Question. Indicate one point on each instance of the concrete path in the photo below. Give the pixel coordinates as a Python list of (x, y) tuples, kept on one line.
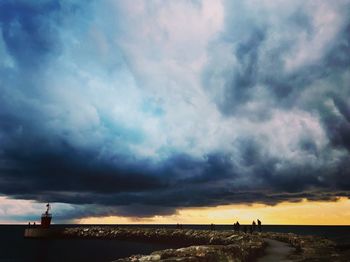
[(276, 251)]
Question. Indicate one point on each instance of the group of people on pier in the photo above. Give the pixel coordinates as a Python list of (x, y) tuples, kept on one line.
[(237, 227), (255, 226)]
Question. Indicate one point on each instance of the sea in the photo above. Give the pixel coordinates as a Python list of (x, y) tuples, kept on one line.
[(15, 248)]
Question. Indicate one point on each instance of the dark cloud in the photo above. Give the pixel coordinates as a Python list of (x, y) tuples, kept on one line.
[(142, 189)]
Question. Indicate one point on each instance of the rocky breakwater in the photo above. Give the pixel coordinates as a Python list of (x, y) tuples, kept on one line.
[(211, 245), (309, 248), (199, 245), (306, 249)]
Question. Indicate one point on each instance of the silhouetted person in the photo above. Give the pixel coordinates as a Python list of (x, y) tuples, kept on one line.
[(177, 226), (259, 225), (212, 226), (236, 226), (245, 229), (253, 226)]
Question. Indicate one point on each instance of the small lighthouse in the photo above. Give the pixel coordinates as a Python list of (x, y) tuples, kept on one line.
[(44, 231), (46, 217)]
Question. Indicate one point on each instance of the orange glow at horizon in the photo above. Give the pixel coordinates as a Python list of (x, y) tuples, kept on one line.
[(301, 213)]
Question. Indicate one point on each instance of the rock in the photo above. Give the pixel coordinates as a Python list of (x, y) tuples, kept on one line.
[(155, 257)]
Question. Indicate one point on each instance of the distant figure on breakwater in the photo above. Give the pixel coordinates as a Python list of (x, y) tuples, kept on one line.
[(259, 225), (179, 226), (245, 229), (212, 226), (236, 226), (253, 226)]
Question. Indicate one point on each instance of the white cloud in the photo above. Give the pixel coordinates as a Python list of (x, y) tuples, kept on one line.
[(17, 210)]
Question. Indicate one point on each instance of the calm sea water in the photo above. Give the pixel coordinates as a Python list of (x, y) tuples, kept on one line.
[(15, 248)]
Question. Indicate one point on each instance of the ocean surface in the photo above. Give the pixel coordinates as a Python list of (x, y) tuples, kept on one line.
[(15, 248)]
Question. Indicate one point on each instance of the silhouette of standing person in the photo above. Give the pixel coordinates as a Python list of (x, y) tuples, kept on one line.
[(235, 226), (253, 226), (212, 227), (259, 225)]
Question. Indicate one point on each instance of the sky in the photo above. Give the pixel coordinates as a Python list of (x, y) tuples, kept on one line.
[(175, 111)]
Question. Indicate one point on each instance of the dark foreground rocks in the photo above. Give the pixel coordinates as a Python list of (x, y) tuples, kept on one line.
[(309, 248), (199, 253), (210, 245)]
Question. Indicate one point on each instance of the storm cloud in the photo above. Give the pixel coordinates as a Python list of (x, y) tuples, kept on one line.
[(138, 109)]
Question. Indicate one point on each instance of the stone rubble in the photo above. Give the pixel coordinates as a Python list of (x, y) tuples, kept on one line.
[(210, 245), (308, 248)]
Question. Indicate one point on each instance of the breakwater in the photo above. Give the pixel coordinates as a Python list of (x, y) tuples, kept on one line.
[(309, 248), (200, 245), (211, 245)]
